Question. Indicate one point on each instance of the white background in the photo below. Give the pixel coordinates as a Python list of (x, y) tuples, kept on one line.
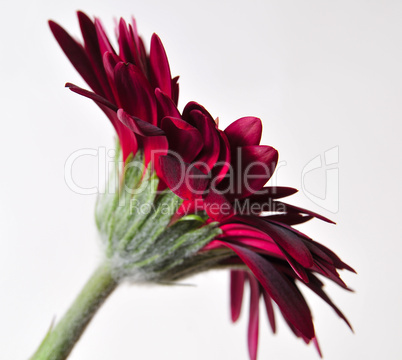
[(320, 74)]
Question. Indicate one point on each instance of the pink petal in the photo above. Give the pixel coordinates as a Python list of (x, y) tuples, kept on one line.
[(257, 245)]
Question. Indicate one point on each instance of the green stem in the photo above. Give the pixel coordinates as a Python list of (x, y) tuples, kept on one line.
[(60, 340)]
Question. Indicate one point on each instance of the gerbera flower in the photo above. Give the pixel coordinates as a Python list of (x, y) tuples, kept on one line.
[(204, 188)]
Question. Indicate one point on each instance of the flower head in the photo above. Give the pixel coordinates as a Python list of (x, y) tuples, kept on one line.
[(194, 196)]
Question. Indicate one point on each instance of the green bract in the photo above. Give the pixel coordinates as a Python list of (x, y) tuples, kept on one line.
[(141, 239)]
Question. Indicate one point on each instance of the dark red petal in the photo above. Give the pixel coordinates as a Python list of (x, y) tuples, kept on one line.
[(217, 206), (110, 61), (77, 55), (237, 278), (287, 240), (335, 258), (104, 43), (292, 208), (92, 48), (244, 131), (288, 219), (140, 61), (154, 148), (184, 180), (166, 106), (281, 290), (210, 152), (317, 286), (160, 70), (135, 94), (253, 166), (139, 126), (184, 139), (270, 310), (175, 90), (222, 165), (271, 192), (291, 243), (254, 317), (128, 140), (127, 48), (89, 94), (192, 105), (317, 346)]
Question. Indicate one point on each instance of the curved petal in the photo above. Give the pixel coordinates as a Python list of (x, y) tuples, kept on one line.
[(280, 288), (217, 206), (175, 90), (138, 126), (92, 48), (135, 94), (183, 138), (166, 106), (210, 152), (192, 105), (244, 131), (127, 48), (160, 70), (154, 148), (253, 166), (184, 180), (222, 166), (89, 94), (293, 208), (77, 56), (103, 40)]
